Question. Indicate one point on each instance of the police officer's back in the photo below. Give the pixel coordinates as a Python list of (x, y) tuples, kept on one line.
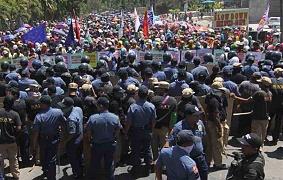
[(176, 159), (46, 127), (251, 165)]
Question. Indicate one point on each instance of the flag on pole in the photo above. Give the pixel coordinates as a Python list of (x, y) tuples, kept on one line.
[(137, 21), (145, 26), (150, 15), (70, 39), (37, 34), (77, 29), (121, 29), (264, 18)]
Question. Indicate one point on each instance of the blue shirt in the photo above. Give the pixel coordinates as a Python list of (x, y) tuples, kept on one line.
[(59, 91), (170, 71), (179, 166), (199, 132), (59, 82), (141, 114), (47, 122), (25, 82), (23, 95), (75, 121), (124, 83), (176, 88), (200, 69), (160, 75), (249, 70), (231, 86), (98, 83), (103, 127)]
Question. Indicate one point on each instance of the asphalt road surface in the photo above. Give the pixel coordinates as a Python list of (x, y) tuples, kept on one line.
[(273, 168)]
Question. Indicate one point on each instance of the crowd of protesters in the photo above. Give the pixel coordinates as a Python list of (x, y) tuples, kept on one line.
[(124, 110)]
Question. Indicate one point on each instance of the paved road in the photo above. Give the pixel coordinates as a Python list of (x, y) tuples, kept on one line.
[(273, 168)]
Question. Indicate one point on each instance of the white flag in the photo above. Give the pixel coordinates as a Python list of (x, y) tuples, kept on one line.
[(137, 21)]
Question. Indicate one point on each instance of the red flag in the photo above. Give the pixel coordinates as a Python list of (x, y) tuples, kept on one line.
[(145, 26), (77, 29)]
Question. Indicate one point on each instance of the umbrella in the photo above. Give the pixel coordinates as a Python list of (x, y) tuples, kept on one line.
[(61, 25), (59, 31), (21, 29)]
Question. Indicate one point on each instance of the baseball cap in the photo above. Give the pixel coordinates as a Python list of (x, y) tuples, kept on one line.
[(45, 99), (188, 92), (250, 140), (132, 88), (185, 136), (161, 85), (192, 110), (265, 81)]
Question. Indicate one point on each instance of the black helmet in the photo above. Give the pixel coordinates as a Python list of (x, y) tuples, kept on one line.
[(36, 64), (250, 58), (5, 65), (60, 67), (24, 62), (85, 59), (83, 68), (47, 63), (276, 56), (268, 55), (208, 57), (167, 57), (131, 56), (104, 57), (59, 59), (232, 54), (148, 56)]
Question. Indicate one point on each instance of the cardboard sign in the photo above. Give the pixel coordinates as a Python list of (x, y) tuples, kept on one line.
[(217, 54), (74, 60), (93, 58), (202, 52), (231, 17)]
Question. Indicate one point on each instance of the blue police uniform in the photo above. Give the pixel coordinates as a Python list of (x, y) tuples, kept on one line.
[(141, 115), (124, 84), (176, 88), (59, 91), (197, 153), (74, 146), (179, 166), (23, 95), (231, 86), (59, 82), (47, 123), (25, 82), (199, 70), (103, 127), (160, 75), (249, 70), (170, 71), (12, 76)]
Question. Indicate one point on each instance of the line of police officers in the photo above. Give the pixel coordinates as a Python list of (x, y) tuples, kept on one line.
[(85, 109)]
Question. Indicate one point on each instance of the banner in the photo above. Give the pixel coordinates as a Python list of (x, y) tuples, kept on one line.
[(202, 52), (51, 59), (74, 60), (184, 52), (93, 59), (231, 17)]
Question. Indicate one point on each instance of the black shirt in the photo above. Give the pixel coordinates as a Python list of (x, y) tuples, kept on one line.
[(260, 110), (164, 110), (33, 107), (8, 121), (20, 107)]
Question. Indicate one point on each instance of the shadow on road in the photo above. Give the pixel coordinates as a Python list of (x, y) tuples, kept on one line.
[(277, 154)]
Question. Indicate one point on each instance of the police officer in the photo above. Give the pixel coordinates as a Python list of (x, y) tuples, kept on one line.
[(46, 131), (176, 87), (176, 159), (25, 81), (251, 165), (74, 123), (199, 68), (103, 128), (140, 121), (192, 122), (250, 68)]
